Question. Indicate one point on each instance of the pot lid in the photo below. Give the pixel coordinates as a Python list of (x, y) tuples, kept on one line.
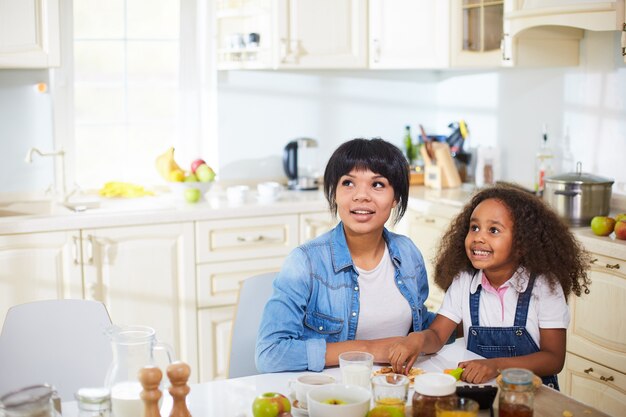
[(579, 177)]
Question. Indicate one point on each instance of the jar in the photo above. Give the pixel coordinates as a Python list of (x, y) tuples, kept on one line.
[(94, 402), (517, 393), (429, 388), (33, 401)]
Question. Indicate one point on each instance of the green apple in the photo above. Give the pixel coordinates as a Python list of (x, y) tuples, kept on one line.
[(191, 178), (385, 411), (205, 173), (602, 225), (192, 195), (270, 404), (620, 216), (620, 229)]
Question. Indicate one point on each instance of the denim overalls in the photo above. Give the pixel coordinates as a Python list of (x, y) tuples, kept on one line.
[(505, 342)]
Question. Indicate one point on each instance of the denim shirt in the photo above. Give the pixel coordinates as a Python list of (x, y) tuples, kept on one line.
[(315, 300)]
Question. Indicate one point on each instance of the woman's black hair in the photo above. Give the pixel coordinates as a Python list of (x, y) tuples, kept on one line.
[(376, 155)]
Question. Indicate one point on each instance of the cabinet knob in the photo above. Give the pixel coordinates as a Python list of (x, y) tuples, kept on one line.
[(615, 266)]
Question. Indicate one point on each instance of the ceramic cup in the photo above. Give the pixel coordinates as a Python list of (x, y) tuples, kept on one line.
[(305, 383), (237, 194), (269, 191), (339, 400)]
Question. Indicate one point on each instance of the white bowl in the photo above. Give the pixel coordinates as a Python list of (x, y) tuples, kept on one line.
[(179, 188), (356, 401)]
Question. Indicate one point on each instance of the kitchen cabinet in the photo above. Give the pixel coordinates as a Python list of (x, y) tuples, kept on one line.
[(548, 32), (29, 34), (313, 225), (595, 369), (228, 252), (39, 266), (141, 274), (293, 34)]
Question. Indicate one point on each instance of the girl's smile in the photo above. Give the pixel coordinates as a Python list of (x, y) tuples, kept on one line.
[(489, 241)]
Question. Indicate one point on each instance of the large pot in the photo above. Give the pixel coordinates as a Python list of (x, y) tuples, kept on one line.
[(578, 197)]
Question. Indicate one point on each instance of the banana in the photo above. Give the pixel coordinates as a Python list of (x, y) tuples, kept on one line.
[(165, 164)]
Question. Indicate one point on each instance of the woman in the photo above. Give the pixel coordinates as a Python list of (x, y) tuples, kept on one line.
[(356, 287)]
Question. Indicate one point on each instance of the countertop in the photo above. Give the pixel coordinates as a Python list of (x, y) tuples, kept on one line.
[(166, 208)]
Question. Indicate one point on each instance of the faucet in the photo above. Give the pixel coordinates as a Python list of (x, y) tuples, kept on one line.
[(59, 153)]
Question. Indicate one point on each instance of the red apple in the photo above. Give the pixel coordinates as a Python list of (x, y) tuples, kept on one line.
[(195, 164), (270, 404), (620, 229)]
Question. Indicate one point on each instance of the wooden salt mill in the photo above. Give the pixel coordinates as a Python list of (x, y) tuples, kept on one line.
[(178, 373), (150, 378)]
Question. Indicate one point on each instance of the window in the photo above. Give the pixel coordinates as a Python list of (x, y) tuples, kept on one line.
[(135, 69)]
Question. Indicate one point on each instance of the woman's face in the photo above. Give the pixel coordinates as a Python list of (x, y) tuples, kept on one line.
[(489, 241), (364, 201)]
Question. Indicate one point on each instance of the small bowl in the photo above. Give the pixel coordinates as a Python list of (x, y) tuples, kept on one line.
[(179, 188), (354, 401)]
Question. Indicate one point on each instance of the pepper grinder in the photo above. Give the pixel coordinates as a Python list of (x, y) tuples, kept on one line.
[(178, 373), (150, 378)]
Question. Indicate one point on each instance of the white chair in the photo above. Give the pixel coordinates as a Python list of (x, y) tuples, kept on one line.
[(253, 294), (60, 342)]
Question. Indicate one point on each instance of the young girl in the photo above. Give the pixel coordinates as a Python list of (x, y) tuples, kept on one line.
[(508, 264), (357, 287)]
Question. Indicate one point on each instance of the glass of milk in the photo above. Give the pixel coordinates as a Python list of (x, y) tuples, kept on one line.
[(356, 368)]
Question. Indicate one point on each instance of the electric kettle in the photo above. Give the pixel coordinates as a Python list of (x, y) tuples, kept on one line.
[(300, 164)]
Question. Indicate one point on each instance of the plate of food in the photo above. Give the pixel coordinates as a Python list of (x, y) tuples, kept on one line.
[(411, 375)]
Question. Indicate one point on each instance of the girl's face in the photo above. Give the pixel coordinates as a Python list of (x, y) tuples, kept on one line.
[(364, 201), (489, 241)]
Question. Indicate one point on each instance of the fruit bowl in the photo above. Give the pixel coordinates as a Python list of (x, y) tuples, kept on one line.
[(181, 190)]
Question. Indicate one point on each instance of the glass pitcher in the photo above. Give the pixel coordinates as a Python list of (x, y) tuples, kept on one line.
[(133, 348), (33, 401)]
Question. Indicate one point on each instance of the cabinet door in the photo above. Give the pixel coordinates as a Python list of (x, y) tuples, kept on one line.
[(322, 33), (313, 225), (596, 330), (476, 29), (409, 34), (39, 266), (595, 385), (145, 275), (29, 33), (215, 327)]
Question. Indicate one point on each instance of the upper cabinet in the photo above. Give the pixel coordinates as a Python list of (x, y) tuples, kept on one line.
[(257, 34), (29, 34), (548, 32)]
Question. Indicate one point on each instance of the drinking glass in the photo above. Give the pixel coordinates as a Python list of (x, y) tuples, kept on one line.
[(390, 390), (356, 368), (456, 407)]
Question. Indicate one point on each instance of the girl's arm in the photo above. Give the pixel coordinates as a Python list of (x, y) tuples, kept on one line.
[(548, 361), (402, 354)]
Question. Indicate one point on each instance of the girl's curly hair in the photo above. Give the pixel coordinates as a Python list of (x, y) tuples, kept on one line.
[(542, 242)]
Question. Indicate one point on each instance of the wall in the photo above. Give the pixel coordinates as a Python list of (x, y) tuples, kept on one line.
[(260, 111), (25, 121)]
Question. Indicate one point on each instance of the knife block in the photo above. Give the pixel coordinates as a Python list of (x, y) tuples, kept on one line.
[(440, 173)]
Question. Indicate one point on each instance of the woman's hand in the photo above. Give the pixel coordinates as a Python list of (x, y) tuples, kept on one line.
[(402, 354), (479, 371)]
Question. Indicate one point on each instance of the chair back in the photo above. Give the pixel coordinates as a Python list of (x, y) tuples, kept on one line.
[(253, 295), (60, 342)]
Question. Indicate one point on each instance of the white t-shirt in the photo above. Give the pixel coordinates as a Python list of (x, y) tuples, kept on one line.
[(547, 308), (383, 310)]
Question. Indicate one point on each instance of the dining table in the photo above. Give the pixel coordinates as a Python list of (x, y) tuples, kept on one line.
[(233, 397)]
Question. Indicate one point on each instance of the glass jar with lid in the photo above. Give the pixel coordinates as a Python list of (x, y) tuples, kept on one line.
[(94, 402), (32, 401), (429, 388), (517, 393)]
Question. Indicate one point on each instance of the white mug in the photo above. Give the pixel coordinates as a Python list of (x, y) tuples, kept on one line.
[(305, 383), (269, 191)]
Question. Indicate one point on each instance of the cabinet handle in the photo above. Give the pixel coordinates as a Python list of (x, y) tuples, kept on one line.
[(593, 261), (429, 220), (624, 39), (505, 47), (89, 250), (253, 239), (376, 48), (603, 378), (616, 266), (75, 244)]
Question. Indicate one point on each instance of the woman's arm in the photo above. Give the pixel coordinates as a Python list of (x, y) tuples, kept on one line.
[(377, 347), (548, 361)]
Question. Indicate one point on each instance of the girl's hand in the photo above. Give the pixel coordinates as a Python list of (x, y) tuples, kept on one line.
[(478, 371), (402, 354)]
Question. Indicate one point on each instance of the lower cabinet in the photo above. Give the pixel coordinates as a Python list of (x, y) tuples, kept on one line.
[(595, 368), (314, 224)]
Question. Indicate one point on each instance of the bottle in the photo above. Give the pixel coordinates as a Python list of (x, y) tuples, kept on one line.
[(543, 163), (409, 148), (517, 393), (94, 402), (429, 388)]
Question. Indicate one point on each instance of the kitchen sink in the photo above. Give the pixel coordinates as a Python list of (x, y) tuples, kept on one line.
[(43, 208)]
